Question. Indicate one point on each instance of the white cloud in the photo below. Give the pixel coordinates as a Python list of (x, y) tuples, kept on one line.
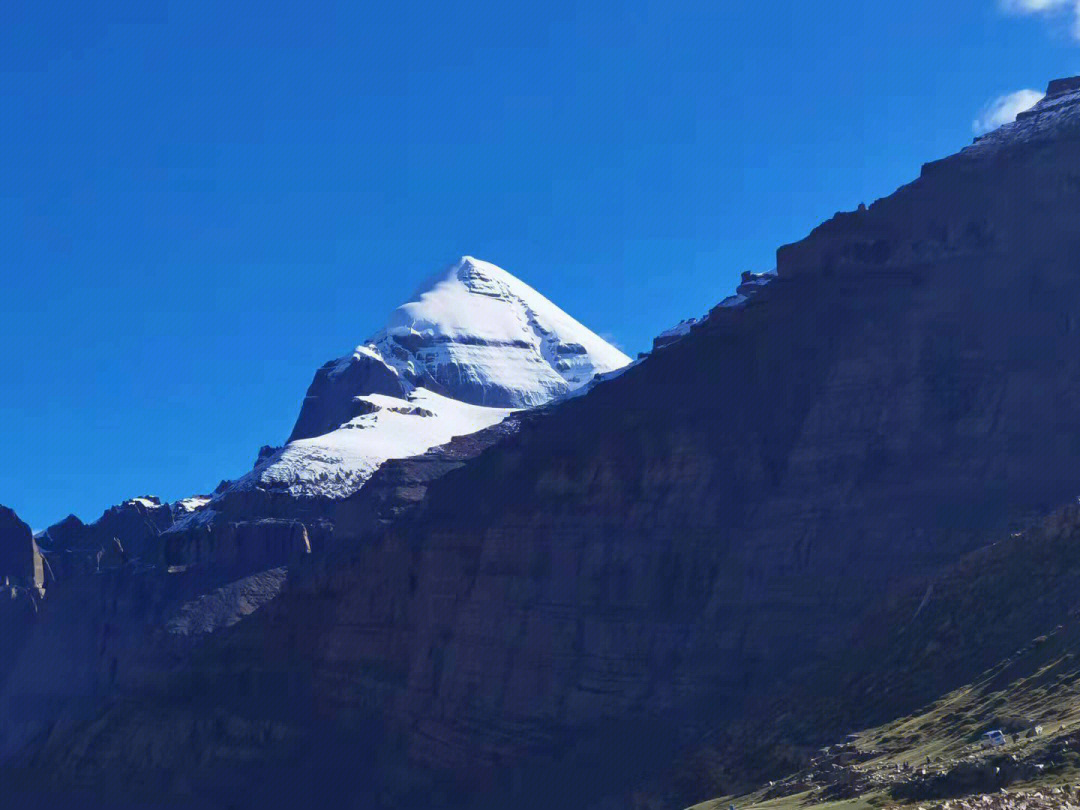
[(1033, 6), (1070, 8), (1003, 110)]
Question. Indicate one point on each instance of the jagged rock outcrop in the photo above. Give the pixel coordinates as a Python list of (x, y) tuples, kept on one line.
[(16, 547), (68, 533), (330, 400), (21, 564), (23, 576), (674, 334), (750, 285), (135, 523), (72, 547)]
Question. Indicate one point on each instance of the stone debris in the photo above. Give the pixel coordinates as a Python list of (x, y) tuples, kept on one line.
[(833, 773), (981, 778), (1059, 798)]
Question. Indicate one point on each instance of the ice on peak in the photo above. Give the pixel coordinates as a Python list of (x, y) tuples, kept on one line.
[(363, 350), (338, 463), (480, 275), (476, 276), (476, 333)]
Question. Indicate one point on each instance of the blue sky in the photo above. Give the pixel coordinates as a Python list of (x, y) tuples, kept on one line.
[(200, 203)]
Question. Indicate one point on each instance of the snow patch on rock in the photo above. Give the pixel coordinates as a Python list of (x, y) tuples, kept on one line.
[(192, 504), (338, 463)]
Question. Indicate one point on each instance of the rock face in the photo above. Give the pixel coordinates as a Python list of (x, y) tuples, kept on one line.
[(971, 616), (23, 577), (906, 389), (240, 547), (331, 400), (68, 533), (72, 548), (20, 561)]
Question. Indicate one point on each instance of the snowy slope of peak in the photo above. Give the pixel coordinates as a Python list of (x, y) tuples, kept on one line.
[(474, 300), (477, 334), (338, 463), (473, 344)]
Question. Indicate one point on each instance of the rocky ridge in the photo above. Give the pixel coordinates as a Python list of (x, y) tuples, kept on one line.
[(21, 564)]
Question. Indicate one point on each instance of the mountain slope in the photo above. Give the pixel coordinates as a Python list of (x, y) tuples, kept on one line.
[(907, 387), (632, 564)]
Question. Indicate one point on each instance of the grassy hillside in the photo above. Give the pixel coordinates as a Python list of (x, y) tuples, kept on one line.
[(991, 643)]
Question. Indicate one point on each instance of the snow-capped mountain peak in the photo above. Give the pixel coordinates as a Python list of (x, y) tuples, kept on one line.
[(473, 333), (476, 333), (473, 344)]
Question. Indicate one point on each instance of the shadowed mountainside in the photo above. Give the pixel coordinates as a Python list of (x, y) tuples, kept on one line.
[(628, 566)]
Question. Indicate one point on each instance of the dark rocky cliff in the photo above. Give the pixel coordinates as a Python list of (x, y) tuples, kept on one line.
[(329, 400), (907, 387), (19, 558), (134, 525), (645, 556)]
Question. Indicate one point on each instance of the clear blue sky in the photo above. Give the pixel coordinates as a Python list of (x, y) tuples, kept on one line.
[(200, 203)]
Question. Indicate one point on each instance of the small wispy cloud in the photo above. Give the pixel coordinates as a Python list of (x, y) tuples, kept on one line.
[(1004, 109), (1031, 6), (610, 338), (1069, 9)]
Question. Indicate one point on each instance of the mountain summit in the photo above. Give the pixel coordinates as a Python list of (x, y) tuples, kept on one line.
[(473, 344), (473, 333)]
